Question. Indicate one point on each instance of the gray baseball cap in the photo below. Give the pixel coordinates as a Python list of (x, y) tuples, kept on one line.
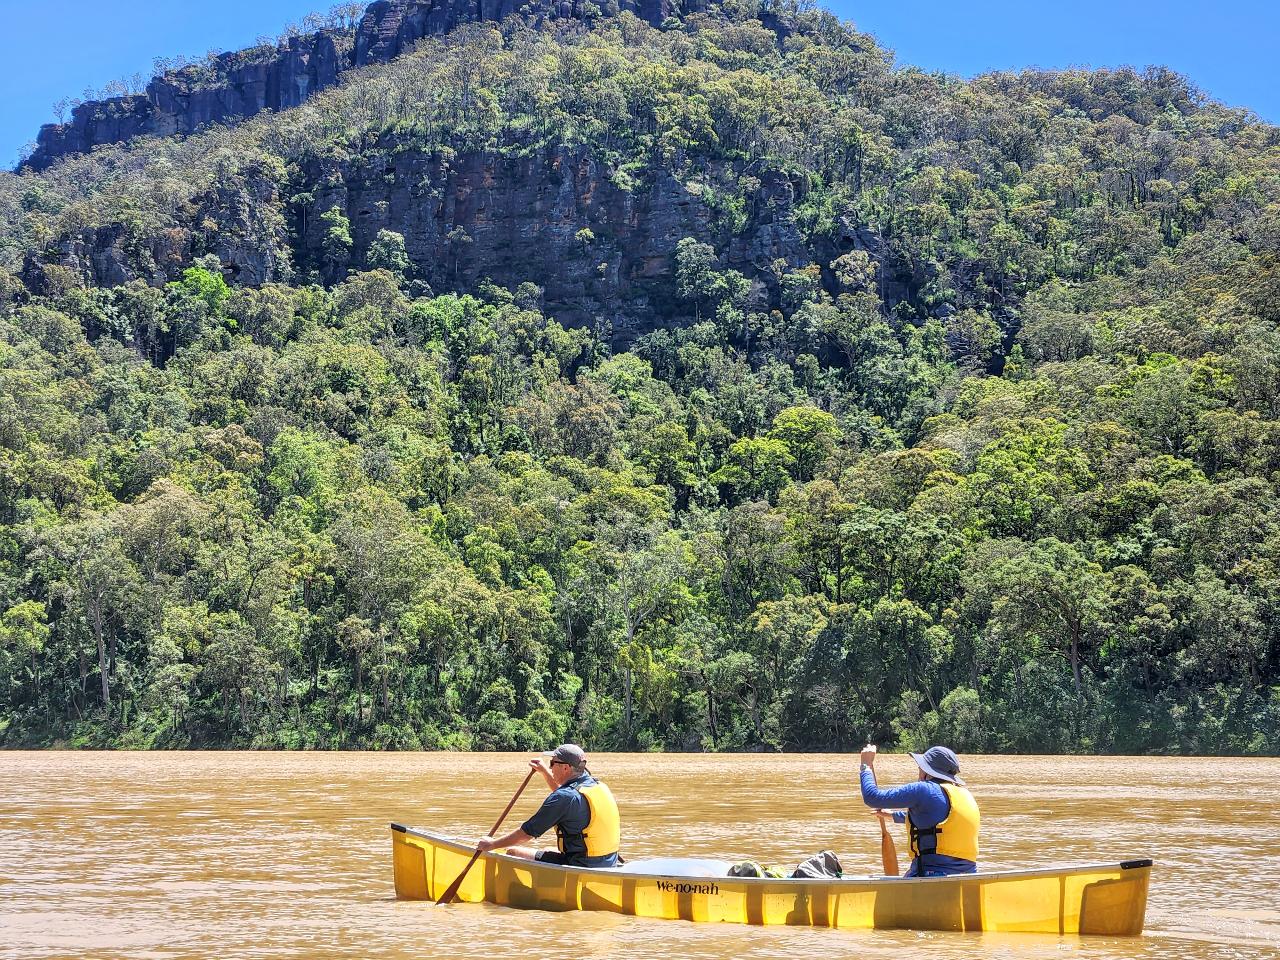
[(569, 753)]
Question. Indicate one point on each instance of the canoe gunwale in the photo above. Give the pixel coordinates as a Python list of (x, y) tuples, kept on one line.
[(1028, 874)]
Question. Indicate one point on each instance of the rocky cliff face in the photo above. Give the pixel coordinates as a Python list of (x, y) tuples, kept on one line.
[(236, 86), (391, 27), (599, 244), (601, 252), (240, 85), (300, 67), (554, 218), (239, 221)]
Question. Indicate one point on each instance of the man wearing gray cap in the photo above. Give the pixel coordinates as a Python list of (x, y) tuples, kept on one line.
[(940, 813), (580, 808)]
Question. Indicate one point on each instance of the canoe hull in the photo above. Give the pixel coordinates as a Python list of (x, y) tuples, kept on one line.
[(1106, 900)]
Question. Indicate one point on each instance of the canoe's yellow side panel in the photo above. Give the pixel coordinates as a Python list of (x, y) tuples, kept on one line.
[(412, 871), (1116, 907), (1105, 901)]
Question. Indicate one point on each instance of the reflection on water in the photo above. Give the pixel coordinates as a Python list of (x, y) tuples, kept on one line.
[(288, 855)]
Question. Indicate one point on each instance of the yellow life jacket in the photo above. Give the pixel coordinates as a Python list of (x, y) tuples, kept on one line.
[(603, 834), (957, 835)]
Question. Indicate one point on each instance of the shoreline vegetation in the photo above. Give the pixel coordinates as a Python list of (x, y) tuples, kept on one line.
[(996, 467)]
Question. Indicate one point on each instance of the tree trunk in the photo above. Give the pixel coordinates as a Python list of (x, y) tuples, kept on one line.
[(386, 676), (359, 690), (928, 693), (1075, 666), (113, 641), (711, 719), (102, 658), (626, 701)]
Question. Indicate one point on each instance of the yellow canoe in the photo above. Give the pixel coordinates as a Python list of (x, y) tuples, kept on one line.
[(1107, 899)]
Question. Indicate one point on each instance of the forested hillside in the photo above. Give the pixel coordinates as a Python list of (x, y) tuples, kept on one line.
[(715, 385)]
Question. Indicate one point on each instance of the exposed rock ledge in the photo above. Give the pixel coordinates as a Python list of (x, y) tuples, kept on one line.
[(239, 85)]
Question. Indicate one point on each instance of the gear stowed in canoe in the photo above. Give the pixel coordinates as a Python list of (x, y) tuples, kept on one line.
[(1107, 899)]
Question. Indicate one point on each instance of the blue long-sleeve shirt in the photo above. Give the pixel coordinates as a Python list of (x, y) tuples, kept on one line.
[(928, 805)]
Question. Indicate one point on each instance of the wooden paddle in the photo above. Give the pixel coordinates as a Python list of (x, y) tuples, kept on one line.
[(888, 852), (448, 895)]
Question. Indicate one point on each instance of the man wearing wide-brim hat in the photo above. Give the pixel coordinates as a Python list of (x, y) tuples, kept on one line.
[(939, 811), (580, 808)]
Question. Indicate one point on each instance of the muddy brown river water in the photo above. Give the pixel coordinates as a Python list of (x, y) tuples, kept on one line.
[(251, 855)]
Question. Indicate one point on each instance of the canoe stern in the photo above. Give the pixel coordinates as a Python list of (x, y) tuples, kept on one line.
[(1117, 906)]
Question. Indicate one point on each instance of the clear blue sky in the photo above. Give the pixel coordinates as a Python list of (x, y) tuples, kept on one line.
[(55, 48)]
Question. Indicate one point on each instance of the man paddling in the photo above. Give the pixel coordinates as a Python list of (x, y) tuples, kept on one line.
[(580, 808), (940, 813)]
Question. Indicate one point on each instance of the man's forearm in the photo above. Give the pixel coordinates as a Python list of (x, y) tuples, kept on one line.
[(895, 797), (512, 839), (870, 788), (872, 795)]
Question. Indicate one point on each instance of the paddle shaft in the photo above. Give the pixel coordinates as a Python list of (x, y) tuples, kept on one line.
[(448, 895), (888, 852)]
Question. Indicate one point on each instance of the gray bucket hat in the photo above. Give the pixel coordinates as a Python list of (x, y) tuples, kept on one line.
[(941, 763)]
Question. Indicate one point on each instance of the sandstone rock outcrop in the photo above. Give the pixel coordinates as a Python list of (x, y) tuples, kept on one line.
[(239, 85), (555, 218), (235, 86), (601, 252), (598, 244), (392, 27)]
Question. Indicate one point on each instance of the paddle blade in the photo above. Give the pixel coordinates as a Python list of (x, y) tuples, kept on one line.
[(449, 895), (888, 852)]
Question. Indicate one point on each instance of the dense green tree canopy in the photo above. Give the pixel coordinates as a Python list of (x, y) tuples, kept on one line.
[(998, 466)]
